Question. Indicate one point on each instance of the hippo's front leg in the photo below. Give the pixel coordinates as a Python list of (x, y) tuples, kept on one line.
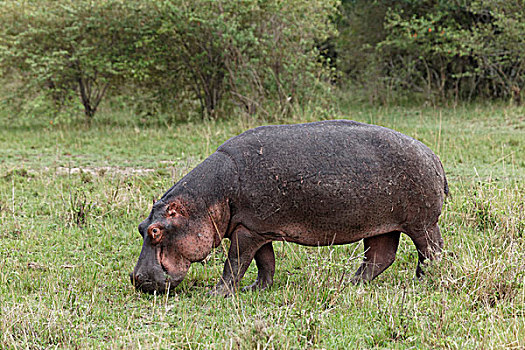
[(244, 245), (265, 260)]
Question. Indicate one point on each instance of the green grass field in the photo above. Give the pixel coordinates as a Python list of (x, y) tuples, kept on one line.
[(71, 198)]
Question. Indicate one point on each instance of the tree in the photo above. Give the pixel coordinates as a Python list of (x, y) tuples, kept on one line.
[(59, 47), (256, 55), (461, 49)]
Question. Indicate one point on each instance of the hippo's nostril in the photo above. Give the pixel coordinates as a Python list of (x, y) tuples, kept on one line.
[(136, 279)]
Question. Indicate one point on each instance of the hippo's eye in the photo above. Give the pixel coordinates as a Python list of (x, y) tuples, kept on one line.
[(155, 234)]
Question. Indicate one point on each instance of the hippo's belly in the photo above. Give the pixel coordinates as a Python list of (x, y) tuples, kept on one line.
[(301, 234)]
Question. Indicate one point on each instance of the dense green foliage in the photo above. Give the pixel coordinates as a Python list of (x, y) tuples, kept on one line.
[(251, 51), (62, 48), (71, 200), (441, 49), (203, 58), (167, 54)]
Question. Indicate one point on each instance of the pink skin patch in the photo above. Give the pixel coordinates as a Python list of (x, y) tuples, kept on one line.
[(175, 268)]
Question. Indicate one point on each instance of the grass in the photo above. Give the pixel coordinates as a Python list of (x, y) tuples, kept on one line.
[(71, 197)]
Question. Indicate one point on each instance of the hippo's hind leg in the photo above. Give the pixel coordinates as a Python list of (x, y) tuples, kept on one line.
[(429, 244), (265, 260), (243, 248), (380, 253)]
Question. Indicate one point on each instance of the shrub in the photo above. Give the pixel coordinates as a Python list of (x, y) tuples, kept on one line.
[(64, 48), (463, 49), (252, 53), (212, 54)]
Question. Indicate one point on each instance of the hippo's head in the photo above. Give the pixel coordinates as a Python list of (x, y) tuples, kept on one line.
[(176, 233)]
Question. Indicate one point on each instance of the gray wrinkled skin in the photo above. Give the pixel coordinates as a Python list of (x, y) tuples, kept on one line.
[(315, 184)]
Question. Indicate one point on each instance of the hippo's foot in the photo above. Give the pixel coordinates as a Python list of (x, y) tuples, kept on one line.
[(222, 289), (429, 244), (259, 284), (357, 280)]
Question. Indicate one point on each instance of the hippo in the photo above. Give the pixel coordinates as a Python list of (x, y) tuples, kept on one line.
[(315, 184)]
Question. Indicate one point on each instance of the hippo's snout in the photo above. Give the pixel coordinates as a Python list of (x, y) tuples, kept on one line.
[(143, 284)]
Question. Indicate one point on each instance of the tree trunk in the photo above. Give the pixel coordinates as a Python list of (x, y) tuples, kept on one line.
[(90, 98)]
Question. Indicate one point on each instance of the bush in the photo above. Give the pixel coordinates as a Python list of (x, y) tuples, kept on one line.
[(441, 49), (63, 48), (253, 54)]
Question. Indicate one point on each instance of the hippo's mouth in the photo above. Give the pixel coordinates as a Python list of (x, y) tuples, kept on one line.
[(171, 281), (164, 268), (167, 276), (167, 284), (150, 286)]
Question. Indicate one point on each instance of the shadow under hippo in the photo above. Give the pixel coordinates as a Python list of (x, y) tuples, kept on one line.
[(315, 184)]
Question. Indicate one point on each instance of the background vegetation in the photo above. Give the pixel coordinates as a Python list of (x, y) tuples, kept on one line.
[(163, 83), (441, 50), (210, 59), (193, 57)]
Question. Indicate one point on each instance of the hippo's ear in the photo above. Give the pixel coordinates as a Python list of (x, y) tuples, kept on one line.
[(175, 209)]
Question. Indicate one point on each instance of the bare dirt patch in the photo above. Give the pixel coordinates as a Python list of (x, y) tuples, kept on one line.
[(101, 170)]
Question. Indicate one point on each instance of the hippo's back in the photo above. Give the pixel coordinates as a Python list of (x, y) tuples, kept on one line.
[(332, 173)]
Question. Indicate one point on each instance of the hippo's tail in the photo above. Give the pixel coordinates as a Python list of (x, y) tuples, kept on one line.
[(446, 190)]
